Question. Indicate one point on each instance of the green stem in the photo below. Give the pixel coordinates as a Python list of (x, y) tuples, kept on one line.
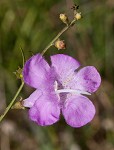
[(12, 101), (58, 35)]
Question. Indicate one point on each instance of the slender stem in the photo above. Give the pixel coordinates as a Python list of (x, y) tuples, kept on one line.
[(12, 101), (58, 35)]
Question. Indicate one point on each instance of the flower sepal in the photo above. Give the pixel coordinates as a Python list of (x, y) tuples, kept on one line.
[(18, 105)]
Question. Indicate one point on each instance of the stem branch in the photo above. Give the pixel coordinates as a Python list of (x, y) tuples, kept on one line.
[(58, 35)]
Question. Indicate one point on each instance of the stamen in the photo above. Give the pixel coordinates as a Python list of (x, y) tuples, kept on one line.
[(72, 91)]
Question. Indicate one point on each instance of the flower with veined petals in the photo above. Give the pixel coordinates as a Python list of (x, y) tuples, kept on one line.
[(60, 86)]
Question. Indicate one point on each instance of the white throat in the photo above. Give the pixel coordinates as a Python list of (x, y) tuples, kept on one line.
[(58, 91)]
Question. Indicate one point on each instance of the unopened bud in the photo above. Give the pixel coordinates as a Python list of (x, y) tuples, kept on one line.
[(78, 16), (60, 44), (64, 18), (18, 73)]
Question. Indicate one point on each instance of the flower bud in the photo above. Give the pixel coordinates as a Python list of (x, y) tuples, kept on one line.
[(18, 73), (78, 16), (64, 18), (60, 44)]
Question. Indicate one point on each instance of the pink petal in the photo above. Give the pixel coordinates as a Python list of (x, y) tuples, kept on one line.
[(78, 111), (35, 71), (86, 79), (45, 112), (64, 66), (29, 102)]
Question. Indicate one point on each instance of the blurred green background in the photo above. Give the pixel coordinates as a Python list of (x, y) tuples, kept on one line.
[(31, 25)]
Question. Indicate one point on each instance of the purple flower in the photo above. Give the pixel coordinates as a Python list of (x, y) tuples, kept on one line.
[(60, 87)]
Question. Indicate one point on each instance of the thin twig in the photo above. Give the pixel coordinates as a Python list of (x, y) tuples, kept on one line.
[(23, 56), (58, 35), (12, 101)]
